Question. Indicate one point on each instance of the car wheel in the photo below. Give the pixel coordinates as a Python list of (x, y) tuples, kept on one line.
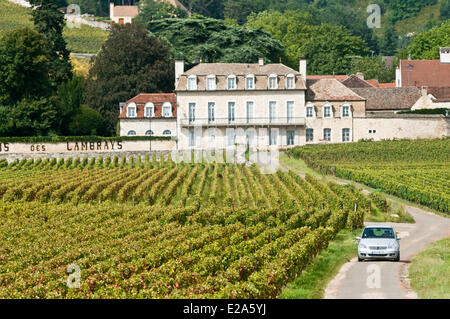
[(360, 259), (398, 257)]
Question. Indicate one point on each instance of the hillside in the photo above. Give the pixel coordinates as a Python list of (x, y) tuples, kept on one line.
[(82, 40)]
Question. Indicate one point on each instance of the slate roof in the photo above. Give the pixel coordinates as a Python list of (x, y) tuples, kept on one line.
[(240, 70), (330, 89), (389, 98), (158, 99), (431, 73)]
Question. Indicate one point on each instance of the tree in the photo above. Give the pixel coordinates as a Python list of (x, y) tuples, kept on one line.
[(426, 45), (388, 42), (23, 66), (445, 9), (373, 68), (152, 10), (86, 121), (215, 41), (34, 117), (131, 61), (50, 22), (69, 99), (292, 28), (331, 49)]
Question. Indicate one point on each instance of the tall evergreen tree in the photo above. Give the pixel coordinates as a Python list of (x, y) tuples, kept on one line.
[(49, 21)]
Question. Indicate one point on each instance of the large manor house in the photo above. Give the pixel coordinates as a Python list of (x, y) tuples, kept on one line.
[(217, 105)]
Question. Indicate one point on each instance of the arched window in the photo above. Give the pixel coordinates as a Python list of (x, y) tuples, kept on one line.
[(131, 110), (192, 83), (250, 82), (273, 81), (211, 82), (231, 82), (167, 109), (290, 81), (149, 133), (167, 132), (131, 133), (149, 110)]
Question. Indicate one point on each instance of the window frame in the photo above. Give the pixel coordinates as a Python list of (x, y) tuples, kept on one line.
[(249, 117), (327, 106), (151, 133), (231, 77), (165, 106), (344, 137), (344, 106), (275, 117), (327, 129), (290, 136), (132, 106), (290, 115), (208, 79), (191, 111), (233, 118), (272, 76), (132, 131), (309, 137), (169, 133), (250, 77), (190, 78), (288, 77), (211, 116)]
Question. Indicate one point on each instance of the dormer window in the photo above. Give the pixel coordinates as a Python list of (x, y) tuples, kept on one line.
[(167, 109), (192, 83), (273, 81), (131, 110), (310, 110), (149, 110), (231, 82), (250, 82), (346, 112), (290, 82), (327, 110), (211, 82)]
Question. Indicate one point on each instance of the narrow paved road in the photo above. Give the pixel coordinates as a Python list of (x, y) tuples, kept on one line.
[(386, 279)]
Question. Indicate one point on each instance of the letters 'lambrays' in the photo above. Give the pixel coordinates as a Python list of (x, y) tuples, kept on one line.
[(94, 146), (4, 147)]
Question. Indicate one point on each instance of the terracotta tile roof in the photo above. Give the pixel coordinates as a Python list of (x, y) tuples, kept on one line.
[(240, 70), (390, 98), (387, 85), (330, 89), (158, 99), (354, 81), (125, 11), (340, 78), (374, 83), (425, 73), (441, 94)]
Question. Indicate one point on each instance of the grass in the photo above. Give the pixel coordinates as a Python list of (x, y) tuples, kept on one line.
[(81, 40), (430, 271), (313, 280), (396, 204)]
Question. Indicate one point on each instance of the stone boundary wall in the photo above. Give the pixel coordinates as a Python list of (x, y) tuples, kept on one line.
[(13, 151)]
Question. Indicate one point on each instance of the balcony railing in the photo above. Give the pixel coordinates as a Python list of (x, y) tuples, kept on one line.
[(243, 121)]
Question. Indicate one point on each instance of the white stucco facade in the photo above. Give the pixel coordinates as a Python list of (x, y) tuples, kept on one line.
[(141, 127)]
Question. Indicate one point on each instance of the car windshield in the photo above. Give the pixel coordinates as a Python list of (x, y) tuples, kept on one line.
[(378, 233)]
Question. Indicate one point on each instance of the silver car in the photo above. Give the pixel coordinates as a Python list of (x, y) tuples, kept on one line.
[(378, 242)]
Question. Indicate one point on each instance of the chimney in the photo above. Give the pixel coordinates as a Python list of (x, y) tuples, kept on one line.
[(111, 10), (302, 69), (261, 61), (121, 105), (444, 55), (424, 90), (179, 70), (360, 75)]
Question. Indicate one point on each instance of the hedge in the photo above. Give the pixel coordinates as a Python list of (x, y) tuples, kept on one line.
[(58, 139)]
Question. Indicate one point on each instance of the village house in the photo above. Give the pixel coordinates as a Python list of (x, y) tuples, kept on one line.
[(222, 104), (429, 73), (149, 115)]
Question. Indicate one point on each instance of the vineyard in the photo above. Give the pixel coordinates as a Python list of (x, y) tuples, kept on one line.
[(417, 171), (83, 40), (155, 229)]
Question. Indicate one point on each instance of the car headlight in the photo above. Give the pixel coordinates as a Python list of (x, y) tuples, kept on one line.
[(362, 246), (392, 246)]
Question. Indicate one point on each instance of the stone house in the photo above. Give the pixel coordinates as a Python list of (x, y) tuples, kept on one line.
[(223, 104), (122, 14), (149, 115)]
